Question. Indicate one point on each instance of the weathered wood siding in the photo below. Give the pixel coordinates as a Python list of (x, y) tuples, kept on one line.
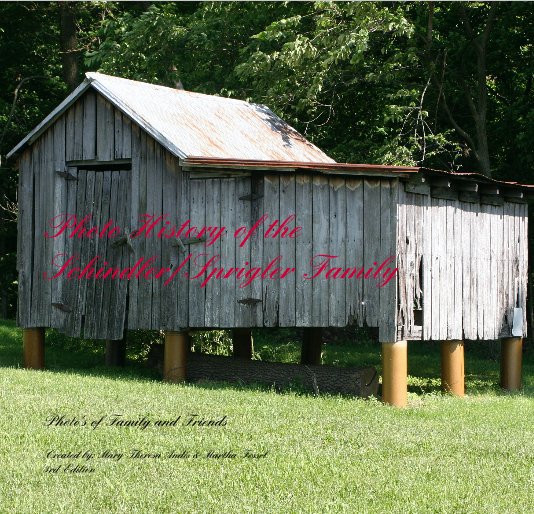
[(90, 130), (353, 219), (463, 264)]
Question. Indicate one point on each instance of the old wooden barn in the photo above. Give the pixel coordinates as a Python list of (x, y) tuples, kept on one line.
[(147, 207)]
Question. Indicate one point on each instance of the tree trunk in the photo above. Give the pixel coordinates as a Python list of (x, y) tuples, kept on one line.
[(69, 44)]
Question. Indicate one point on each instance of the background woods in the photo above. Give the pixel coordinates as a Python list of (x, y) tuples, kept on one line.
[(444, 85)]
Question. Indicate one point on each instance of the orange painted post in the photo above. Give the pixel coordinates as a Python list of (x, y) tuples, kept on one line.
[(511, 361), (395, 373), (33, 342), (242, 343), (452, 367), (175, 356), (312, 342)]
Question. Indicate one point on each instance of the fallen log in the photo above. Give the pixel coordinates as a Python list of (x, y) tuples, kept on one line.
[(361, 381)]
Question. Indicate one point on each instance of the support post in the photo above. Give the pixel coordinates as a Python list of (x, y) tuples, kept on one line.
[(312, 341), (33, 342), (511, 359), (242, 342), (175, 356), (452, 367), (395, 373), (116, 352)]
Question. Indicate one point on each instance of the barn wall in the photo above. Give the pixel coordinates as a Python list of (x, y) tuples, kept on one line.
[(351, 218), (464, 264), (90, 129)]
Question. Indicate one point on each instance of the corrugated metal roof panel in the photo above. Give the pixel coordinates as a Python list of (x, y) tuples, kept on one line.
[(210, 126)]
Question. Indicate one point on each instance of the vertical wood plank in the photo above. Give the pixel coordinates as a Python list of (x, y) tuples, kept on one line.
[(47, 202), (243, 312), (183, 282), (126, 137), (25, 238), (337, 239), (105, 140), (78, 191), (519, 299), (354, 249), (170, 250), (155, 179), (118, 139), (389, 198), (371, 248), (137, 190), (77, 150), (287, 252), (435, 266), (197, 295), (402, 257), (101, 285), (89, 126), (321, 238), (119, 300), (59, 202), (484, 285), (113, 259), (449, 290), (271, 251), (444, 284), (511, 273), (523, 212), (94, 249), (70, 132), (213, 219), (256, 248), (458, 270), (427, 267), (70, 293), (146, 207), (303, 256), (228, 195)]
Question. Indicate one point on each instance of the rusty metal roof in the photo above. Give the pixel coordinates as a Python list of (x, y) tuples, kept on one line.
[(194, 124)]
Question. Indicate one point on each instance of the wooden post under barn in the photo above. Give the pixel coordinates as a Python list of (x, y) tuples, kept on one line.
[(115, 352), (395, 373), (242, 343), (34, 339), (312, 341), (175, 356), (452, 367), (511, 357)]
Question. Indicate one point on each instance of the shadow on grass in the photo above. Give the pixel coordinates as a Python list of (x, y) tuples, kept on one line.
[(84, 358)]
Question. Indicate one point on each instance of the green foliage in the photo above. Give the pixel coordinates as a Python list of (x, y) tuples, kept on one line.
[(355, 77), (213, 342), (139, 342)]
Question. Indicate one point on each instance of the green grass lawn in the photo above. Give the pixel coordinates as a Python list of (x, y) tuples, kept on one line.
[(324, 454)]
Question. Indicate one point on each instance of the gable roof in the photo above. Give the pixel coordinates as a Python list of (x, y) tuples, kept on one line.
[(193, 124)]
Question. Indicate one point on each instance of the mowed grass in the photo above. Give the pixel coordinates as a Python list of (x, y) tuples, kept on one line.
[(324, 454)]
